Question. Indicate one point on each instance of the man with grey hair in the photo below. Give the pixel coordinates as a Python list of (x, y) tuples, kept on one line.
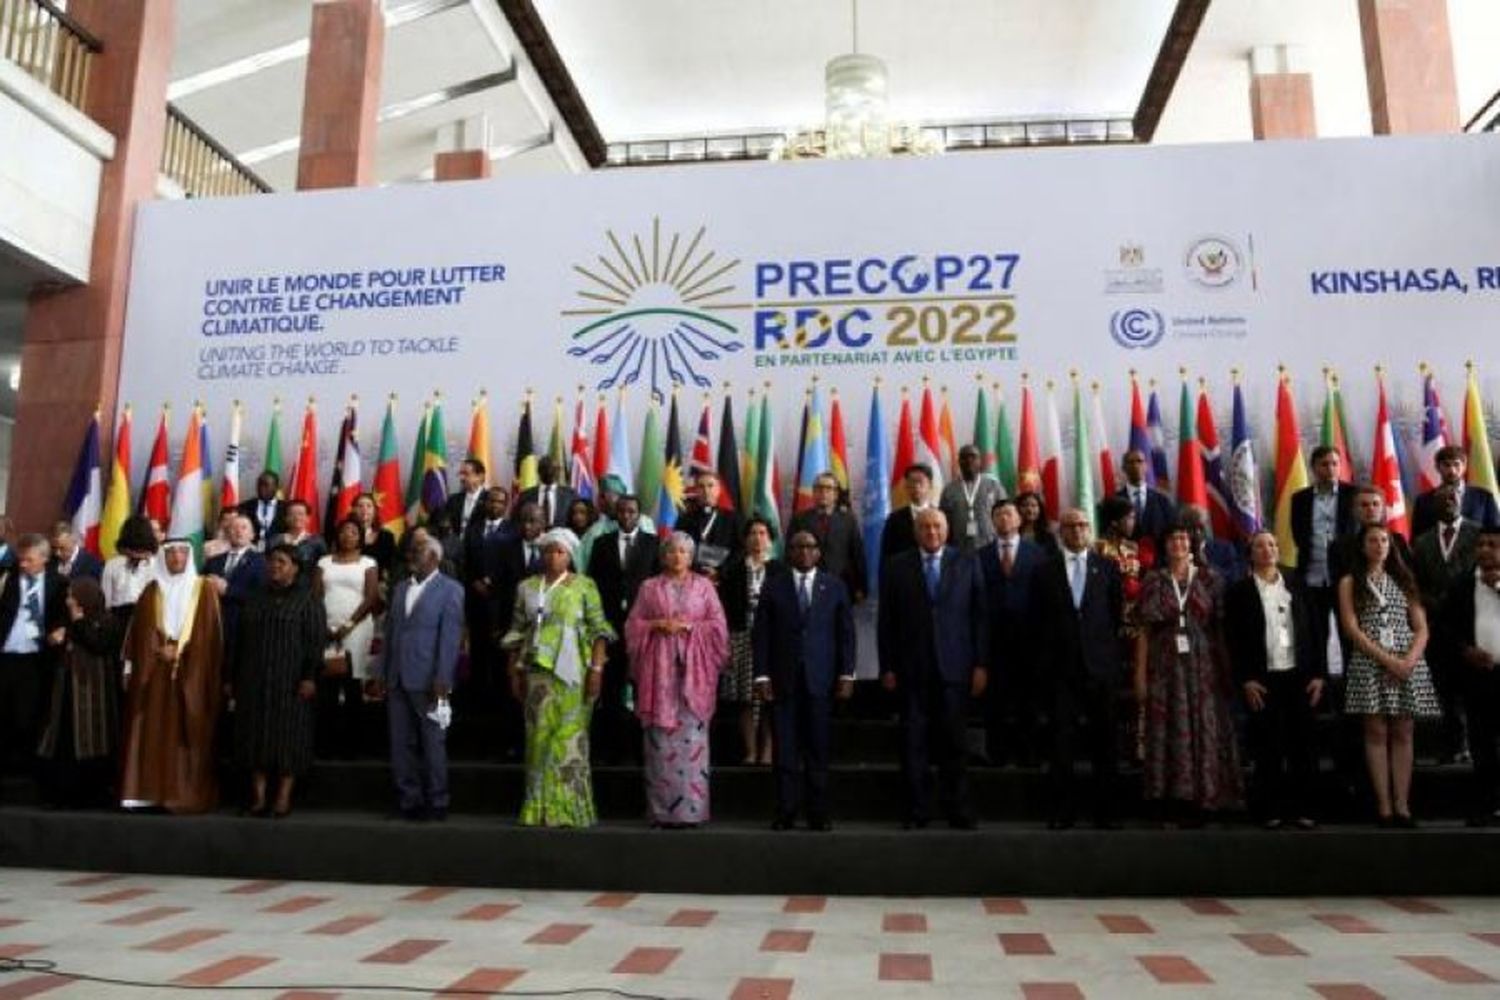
[(422, 630), (33, 624)]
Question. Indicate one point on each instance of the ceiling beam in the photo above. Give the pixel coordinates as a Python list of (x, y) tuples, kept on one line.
[(1175, 46), (527, 25)]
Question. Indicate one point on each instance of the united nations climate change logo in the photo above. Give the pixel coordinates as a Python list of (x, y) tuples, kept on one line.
[(649, 308), (1133, 328)]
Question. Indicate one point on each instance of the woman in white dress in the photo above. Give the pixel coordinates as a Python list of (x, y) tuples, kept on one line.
[(349, 583), (125, 575)]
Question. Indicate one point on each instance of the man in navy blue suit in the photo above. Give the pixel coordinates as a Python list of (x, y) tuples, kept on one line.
[(422, 633), (1154, 510), (803, 641), (1475, 503), (1078, 600), (236, 574), (1009, 565), (933, 636), (69, 557)]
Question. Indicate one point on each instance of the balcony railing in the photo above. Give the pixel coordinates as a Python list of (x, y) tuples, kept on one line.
[(199, 165), (49, 45)]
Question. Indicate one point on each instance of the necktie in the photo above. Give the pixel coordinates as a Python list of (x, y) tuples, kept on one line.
[(33, 600), (1007, 557), (547, 506), (1140, 501), (933, 574), (804, 593), (231, 562), (823, 526), (1448, 532), (627, 545), (531, 560), (1076, 573)]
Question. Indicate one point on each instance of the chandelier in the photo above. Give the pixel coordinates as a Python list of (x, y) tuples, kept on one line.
[(857, 121)]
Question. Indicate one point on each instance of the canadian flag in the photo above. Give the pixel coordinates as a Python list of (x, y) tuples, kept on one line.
[(1385, 470)]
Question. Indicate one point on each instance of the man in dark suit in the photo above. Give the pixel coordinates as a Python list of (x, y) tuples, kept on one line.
[(710, 525), (803, 641), (1154, 510), (1321, 513), (621, 560), (237, 574), (551, 498), (69, 558), (266, 510), (1442, 556), (33, 624), (1282, 671), (509, 554), (469, 498), (1343, 552), (1078, 606), (933, 641), (1467, 636), (899, 533), (1475, 503), (423, 630), (1219, 554), (1009, 565), (837, 534)]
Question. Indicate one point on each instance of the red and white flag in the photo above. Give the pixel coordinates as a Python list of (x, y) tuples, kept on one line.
[(229, 479), (1106, 458), (351, 482), (929, 441), (1385, 470), (156, 494), (1054, 479)]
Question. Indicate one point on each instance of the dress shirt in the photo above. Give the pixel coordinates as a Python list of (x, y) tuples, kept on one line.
[(1006, 547), (804, 587), (1276, 603), (1078, 564), (1138, 498), (471, 501), (625, 542), (26, 632), (1486, 617), (1325, 519), (546, 497), (1448, 537), (414, 589)]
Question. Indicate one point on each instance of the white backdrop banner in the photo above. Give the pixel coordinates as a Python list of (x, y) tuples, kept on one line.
[(1204, 258)]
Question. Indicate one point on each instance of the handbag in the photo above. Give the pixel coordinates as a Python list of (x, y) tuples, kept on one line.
[(335, 661)]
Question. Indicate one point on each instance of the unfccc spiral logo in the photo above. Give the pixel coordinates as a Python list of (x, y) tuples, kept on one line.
[(1134, 328)]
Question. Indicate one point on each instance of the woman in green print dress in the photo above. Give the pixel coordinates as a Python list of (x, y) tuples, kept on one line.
[(556, 643)]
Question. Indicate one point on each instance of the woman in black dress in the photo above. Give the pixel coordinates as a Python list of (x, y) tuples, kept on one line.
[(278, 653), (375, 541), (78, 745)]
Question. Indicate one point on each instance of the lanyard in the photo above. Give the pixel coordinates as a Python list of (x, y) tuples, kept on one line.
[(1375, 592), (969, 494), (544, 589), (1182, 594)]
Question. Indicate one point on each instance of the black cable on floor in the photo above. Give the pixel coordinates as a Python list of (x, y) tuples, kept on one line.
[(46, 968)]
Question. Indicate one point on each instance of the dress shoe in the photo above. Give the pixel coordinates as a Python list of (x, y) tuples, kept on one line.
[(414, 814), (963, 823), (437, 814), (783, 823), (1305, 823), (1404, 821), (1060, 823), (914, 823), (1478, 821), (1107, 823), (821, 824)]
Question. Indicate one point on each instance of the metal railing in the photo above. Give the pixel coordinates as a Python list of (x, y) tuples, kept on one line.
[(49, 45), (199, 165)]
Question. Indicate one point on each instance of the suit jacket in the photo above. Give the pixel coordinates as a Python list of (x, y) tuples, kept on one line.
[(841, 544), (251, 509), (1343, 555), (474, 565), (1224, 556), (919, 637), (422, 646), (1302, 518), (505, 568), (1245, 631), (1081, 642), (248, 578), (562, 499), (1009, 599), (723, 532), (1477, 505), (54, 607), (797, 651), (898, 534), (85, 563), (1434, 573), (1453, 631), (619, 584), (454, 508), (1160, 513)]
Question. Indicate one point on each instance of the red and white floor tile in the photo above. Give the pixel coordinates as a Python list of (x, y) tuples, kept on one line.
[(321, 939)]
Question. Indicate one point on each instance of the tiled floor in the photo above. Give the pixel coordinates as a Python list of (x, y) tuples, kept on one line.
[(320, 939)]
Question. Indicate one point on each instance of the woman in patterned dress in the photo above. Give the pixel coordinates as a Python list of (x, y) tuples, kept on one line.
[(739, 588), (1182, 677), (1387, 681), (1132, 560), (678, 644), (556, 642)]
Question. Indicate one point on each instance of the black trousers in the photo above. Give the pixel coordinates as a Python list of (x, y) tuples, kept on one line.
[(1448, 678), (1012, 709), (21, 709), (615, 734), (1084, 712), (340, 715), (1281, 738), (1482, 702), (932, 719), (800, 723)]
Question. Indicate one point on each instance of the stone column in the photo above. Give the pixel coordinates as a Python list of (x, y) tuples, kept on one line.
[(1409, 66), (1281, 94), (70, 358), (341, 95)]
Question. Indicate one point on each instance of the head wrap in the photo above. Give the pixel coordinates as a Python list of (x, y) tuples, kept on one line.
[(612, 483), (558, 537), (177, 589)]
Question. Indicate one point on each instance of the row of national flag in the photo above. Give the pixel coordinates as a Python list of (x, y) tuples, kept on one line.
[(1226, 483)]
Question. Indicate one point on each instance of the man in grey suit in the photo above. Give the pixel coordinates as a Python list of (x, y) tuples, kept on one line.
[(422, 632)]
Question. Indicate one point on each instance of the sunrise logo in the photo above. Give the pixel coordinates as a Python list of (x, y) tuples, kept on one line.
[(649, 307)]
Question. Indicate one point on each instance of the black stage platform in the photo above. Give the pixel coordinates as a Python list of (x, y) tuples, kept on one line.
[(339, 834)]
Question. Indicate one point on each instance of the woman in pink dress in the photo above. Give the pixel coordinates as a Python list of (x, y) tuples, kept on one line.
[(678, 643)]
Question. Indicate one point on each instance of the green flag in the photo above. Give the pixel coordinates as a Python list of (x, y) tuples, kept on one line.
[(272, 463), (749, 465), (1005, 451), (414, 476), (983, 434), (1083, 464), (648, 471), (766, 501)]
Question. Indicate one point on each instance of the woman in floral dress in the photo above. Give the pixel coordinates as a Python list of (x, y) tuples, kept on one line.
[(556, 643)]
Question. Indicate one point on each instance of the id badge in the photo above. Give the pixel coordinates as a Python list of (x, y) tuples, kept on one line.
[(1387, 638), (1284, 636), (1183, 646), (972, 530)]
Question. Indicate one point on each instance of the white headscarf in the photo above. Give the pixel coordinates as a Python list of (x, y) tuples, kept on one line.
[(560, 537), (177, 589)]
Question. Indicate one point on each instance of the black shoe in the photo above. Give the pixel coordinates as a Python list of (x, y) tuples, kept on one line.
[(1060, 823), (1107, 823), (821, 824), (437, 814), (914, 823), (1406, 822), (1385, 822), (783, 823), (963, 823), (414, 814), (1477, 821), (1305, 823), (1274, 823)]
